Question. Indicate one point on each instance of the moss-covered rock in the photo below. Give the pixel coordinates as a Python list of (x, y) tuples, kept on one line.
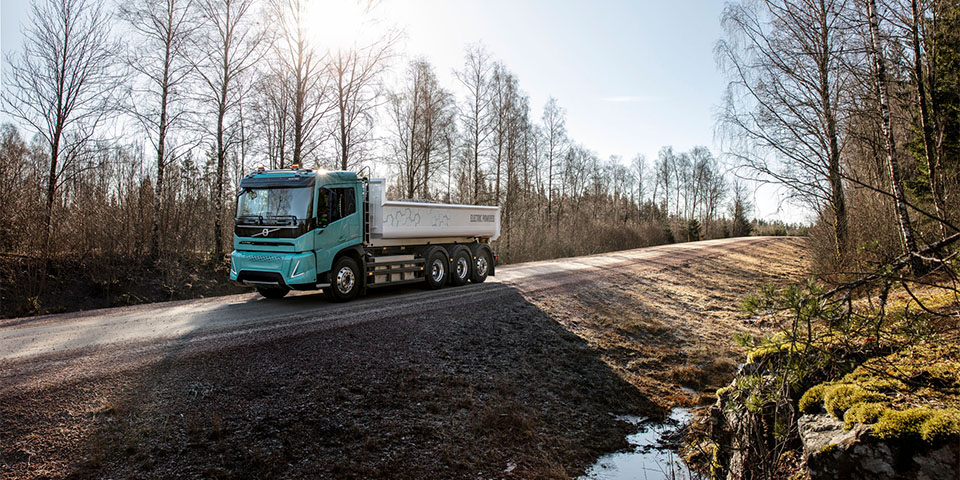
[(942, 426), (812, 400), (924, 423), (838, 398), (902, 424), (863, 413)]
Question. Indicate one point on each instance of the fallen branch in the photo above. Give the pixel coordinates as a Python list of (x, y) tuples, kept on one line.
[(896, 265)]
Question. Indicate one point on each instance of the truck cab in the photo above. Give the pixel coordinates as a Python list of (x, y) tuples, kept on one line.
[(299, 229)]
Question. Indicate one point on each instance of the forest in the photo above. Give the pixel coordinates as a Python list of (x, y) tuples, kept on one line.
[(853, 107), (126, 151)]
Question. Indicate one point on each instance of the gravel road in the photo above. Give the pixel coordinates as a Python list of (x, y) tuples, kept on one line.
[(45, 361), (242, 318)]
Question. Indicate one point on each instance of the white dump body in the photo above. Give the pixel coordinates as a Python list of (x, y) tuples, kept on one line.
[(396, 221)]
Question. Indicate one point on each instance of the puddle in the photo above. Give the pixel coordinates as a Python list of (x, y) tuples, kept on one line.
[(649, 459)]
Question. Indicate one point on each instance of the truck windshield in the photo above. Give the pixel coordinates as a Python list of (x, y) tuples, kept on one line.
[(274, 203)]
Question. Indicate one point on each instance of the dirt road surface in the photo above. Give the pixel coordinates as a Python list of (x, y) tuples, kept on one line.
[(519, 377)]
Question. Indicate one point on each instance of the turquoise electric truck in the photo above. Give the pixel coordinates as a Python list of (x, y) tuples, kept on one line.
[(298, 229)]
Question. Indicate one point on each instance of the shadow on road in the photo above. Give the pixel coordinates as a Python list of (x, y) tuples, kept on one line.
[(466, 386)]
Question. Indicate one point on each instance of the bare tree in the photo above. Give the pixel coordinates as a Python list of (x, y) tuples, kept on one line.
[(665, 168), (785, 59), (474, 113), (555, 133), (228, 46), (61, 84), (640, 168), (420, 111), (504, 96), (356, 93), (301, 67), (160, 58), (271, 112)]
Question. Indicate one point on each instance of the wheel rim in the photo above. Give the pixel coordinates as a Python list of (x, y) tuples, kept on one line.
[(482, 265), (345, 280), (463, 266), (436, 271)]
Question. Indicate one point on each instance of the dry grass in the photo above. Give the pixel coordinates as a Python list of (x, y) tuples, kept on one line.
[(673, 327)]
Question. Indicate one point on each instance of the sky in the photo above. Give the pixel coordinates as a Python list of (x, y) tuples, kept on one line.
[(633, 76)]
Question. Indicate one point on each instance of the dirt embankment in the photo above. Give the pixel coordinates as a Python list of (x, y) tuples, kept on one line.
[(71, 284), (523, 384)]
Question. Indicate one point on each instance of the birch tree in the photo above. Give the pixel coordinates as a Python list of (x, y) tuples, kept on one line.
[(890, 146), (555, 135)]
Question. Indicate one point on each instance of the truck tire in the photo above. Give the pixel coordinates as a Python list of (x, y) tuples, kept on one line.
[(345, 280), (482, 264), (273, 293), (460, 261), (436, 268)]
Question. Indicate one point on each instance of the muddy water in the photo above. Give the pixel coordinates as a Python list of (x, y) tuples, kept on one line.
[(648, 459)]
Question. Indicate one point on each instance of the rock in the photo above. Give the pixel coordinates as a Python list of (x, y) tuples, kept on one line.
[(830, 452)]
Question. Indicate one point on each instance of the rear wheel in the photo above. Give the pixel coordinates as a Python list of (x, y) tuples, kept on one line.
[(460, 266), (481, 265), (274, 293), (436, 269), (345, 280)]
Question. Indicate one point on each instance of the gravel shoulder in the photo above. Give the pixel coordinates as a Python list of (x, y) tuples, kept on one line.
[(519, 377)]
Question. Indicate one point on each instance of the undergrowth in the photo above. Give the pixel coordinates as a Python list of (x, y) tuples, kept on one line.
[(884, 356)]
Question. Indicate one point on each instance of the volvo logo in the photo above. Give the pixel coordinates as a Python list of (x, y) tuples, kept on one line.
[(265, 232)]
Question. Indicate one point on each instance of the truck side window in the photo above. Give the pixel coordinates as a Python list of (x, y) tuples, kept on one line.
[(348, 202), (322, 211), (342, 203)]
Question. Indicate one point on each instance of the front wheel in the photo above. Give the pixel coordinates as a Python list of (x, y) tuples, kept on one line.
[(481, 265), (345, 280), (274, 293)]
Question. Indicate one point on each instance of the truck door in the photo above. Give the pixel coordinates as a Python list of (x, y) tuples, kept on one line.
[(344, 224)]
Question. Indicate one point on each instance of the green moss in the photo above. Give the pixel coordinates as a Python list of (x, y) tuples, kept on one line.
[(863, 413), (716, 467), (928, 424), (838, 398), (769, 347), (829, 448), (902, 424), (810, 402), (869, 380), (941, 425)]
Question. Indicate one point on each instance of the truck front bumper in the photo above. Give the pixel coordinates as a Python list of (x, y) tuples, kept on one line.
[(274, 269)]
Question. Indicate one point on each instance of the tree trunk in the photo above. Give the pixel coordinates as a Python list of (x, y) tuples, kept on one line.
[(933, 159), (838, 201), (903, 216), (161, 151), (51, 195)]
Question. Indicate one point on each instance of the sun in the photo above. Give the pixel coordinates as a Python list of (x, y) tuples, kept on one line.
[(341, 24)]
